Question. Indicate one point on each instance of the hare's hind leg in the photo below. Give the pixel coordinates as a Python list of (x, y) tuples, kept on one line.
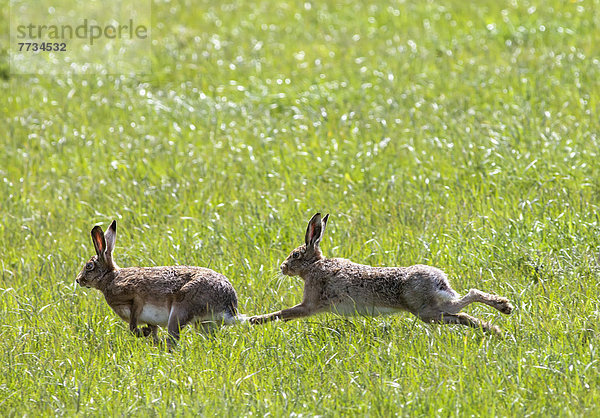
[(460, 319), (178, 318), (470, 321), (456, 305)]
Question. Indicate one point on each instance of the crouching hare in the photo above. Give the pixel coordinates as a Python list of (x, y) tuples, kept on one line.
[(157, 296), (341, 286)]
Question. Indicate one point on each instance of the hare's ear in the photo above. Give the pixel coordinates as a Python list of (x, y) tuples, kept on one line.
[(99, 241), (314, 231), (323, 225), (111, 237)]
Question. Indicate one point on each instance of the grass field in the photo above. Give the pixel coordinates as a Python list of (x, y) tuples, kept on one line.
[(460, 135)]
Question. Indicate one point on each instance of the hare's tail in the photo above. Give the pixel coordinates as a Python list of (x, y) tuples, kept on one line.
[(239, 319)]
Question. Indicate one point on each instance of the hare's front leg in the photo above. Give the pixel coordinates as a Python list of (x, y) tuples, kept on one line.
[(135, 311), (294, 312)]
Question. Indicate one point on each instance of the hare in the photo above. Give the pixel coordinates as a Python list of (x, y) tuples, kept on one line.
[(157, 296), (341, 286)]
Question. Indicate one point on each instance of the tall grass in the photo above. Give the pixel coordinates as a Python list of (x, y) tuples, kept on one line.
[(462, 135)]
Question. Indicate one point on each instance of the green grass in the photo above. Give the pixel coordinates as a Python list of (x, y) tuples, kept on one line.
[(454, 134)]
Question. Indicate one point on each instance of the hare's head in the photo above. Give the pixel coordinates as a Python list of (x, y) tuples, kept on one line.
[(302, 257), (102, 263)]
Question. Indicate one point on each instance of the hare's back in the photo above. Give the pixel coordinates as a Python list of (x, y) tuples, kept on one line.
[(199, 286), (353, 287), (383, 290), (209, 288), (170, 282)]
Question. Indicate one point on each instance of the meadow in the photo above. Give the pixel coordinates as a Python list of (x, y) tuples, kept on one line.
[(457, 134)]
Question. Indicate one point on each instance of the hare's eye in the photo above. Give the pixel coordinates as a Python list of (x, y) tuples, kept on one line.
[(89, 266), (296, 254)]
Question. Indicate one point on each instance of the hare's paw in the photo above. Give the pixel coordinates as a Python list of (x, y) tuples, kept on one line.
[(147, 331), (171, 344), (505, 306), (256, 320)]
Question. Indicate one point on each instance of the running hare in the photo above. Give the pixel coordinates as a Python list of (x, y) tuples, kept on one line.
[(165, 296), (339, 285)]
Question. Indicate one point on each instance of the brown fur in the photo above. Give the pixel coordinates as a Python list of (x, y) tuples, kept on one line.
[(339, 285), (157, 296)]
